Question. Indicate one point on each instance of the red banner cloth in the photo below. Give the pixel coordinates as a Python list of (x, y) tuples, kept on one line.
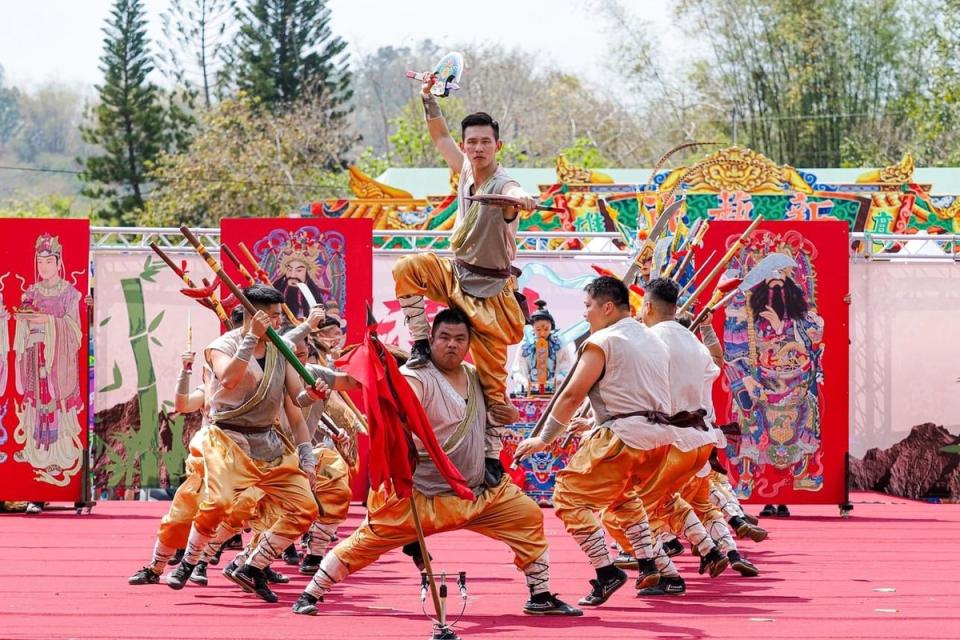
[(392, 409)]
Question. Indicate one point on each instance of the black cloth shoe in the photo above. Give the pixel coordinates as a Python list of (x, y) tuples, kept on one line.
[(310, 564), (649, 576), (419, 354), (234, 544), (178, 578), (275, 577), (199, 575), (177, 557), (306, 604), (291, 557), (746, 530), (548, 604), (413, 550), (668, 586), (255, 579), (228, 572), (625, 561), (603, 588), (741, 565), (144, 576), (768, 511), (714, 562), (673, 547), (783, 512)]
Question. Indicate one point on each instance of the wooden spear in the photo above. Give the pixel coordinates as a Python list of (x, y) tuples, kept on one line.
[(728, 256), (217, 307), (262, 276), (228, 282)]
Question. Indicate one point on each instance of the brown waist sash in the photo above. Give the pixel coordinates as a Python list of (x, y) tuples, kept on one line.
[(681, 419)]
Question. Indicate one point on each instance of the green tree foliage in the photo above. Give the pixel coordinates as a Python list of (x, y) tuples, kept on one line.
[(39, 207), (131, 125), (811, 79), (284, 50), (196, 33), (247, 161)]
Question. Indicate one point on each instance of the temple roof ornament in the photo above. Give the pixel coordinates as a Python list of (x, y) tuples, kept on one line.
[(737, 169), (365, 187), (568, 173), (899, 173)]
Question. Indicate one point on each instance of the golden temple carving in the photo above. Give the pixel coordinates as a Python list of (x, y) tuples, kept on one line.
[(737, 169), (568, 173), (363, 186), (899, 173)]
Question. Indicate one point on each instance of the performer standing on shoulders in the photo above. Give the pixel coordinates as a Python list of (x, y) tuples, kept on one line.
[(480, 279), (454, 404)]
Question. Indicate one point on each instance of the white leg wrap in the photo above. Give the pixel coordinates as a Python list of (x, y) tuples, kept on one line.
[(161, 553), (696, 533), (319, 537), (195, 545), (639, 536), (223, 534), (415, 312), (330, 573), (270, 547), (722, 501), (664, 562), (720, 533), (538, 574), (595, 546)]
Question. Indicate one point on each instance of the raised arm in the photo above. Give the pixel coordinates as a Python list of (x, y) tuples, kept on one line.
[(437, 126)]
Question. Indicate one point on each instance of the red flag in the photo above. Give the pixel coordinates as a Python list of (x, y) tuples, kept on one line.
[(393, 413)]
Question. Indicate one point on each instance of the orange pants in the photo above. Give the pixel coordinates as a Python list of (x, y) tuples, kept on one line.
[(503, 513), (230, 472), (607, 474), (175, 525), (497, 322)]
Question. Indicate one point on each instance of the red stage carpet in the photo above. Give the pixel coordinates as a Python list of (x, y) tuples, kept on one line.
[(890, 571)]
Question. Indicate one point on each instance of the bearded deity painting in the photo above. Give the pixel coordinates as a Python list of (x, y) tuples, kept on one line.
[(773, 348), (48, 364), (306, 257)]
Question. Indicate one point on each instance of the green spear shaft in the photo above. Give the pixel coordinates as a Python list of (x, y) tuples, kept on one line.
[(272, 335)]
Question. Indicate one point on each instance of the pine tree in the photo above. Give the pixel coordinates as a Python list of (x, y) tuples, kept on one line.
[(196, 33), (130, 124), (284, 49)]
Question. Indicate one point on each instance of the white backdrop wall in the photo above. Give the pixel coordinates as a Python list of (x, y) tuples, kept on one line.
[(904, 319)]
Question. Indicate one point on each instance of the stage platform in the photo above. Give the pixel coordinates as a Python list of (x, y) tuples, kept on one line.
[(890, 571)]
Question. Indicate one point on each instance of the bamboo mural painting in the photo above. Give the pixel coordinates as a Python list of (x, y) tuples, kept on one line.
[(140, 442)]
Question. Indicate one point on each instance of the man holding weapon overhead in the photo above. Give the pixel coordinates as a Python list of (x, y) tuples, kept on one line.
[(480, 279)]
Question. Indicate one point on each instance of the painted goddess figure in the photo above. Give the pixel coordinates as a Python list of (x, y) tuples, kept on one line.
[(542, 362), (47, 348)]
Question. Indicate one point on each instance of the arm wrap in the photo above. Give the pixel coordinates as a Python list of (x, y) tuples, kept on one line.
[(298, 333), (431, 107), (304, 399), (552, 429), (247, 345), (709, 335), (183, 383), (307, 458)]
